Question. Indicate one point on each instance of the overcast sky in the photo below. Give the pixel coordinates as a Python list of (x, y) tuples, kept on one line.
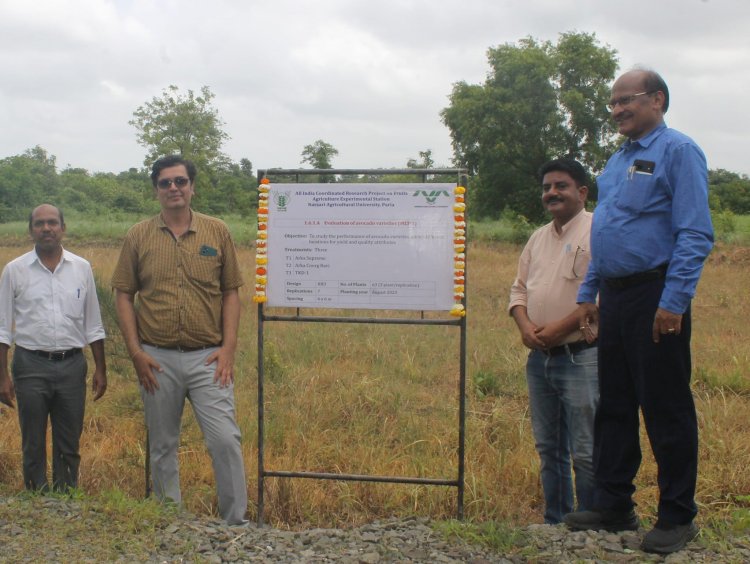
[(368, 76)]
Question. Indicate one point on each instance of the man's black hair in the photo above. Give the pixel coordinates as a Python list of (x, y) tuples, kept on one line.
[(59, 212), (172, 160), (565, 164)]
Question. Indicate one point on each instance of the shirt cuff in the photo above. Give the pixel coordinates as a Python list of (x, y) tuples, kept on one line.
[(675, 302), (586, 295)]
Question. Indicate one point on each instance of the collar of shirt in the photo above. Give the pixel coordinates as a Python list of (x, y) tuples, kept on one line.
[(569, 225), (193, 228), (33, 257), (646, 140)]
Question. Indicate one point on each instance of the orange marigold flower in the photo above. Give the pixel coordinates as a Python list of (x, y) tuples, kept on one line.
[(265, 181), (260, 271)]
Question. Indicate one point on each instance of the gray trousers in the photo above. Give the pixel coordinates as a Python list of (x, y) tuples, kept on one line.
[(185, 375), (55, 390)]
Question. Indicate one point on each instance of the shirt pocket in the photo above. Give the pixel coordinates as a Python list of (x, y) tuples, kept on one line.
[(73, 303), (635, 192), (576, 263), (205, 269)]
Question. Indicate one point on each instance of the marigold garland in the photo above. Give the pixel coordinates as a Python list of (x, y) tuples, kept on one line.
[(261, 252), (459, 246)]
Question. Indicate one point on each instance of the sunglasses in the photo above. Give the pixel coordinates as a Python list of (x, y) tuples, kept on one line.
[(180, 182)]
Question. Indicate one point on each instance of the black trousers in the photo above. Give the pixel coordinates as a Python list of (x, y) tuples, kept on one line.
[(636, 372), (54, 390)]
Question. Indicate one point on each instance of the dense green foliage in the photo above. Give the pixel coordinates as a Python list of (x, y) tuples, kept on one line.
[(729, 191), (32, 178), (190, 126), (540, 101), (319, 155)]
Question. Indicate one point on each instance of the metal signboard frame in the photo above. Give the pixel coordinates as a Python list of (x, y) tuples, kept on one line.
[(299, 317)]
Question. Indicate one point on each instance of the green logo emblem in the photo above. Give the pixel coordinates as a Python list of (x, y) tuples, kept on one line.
[(281, 199), (432, 195)]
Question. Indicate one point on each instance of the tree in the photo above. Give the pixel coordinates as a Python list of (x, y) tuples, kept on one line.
[(729, 191), (187, 125), (25, 182), (426, 161), (539, 101), (319, 155)]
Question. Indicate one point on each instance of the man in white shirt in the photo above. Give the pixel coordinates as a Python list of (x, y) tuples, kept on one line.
[(49, 309), (561, 370)]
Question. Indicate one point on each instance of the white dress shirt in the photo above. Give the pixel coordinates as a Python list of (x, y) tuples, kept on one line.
[(49, 311)]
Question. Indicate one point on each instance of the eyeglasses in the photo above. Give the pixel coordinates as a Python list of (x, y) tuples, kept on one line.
[(625, 100), (179, 181)]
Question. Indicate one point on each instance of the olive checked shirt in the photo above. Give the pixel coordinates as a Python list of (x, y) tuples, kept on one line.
[(178, 282)]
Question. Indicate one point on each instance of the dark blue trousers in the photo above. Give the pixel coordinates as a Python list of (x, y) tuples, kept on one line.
[(636, 372)]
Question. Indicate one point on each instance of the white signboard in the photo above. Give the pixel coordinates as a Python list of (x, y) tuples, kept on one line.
[(361, 246)]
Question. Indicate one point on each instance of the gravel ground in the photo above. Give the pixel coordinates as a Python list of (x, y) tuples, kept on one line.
[(54, 530)]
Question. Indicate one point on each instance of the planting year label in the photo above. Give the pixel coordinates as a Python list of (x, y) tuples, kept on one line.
[(361, 246)]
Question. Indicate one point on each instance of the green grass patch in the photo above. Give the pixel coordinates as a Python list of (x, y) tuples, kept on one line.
[(495, 535), (74, 527), (111, 228)]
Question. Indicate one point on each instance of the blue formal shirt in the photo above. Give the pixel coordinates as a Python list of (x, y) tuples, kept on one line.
[(652, 210)]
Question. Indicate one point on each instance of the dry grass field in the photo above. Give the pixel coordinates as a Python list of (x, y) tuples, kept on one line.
[(382, 399)]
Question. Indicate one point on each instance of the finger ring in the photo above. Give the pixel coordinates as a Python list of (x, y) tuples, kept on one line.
[(670, 330), (582, 327)]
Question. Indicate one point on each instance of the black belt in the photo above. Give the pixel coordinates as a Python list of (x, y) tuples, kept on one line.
[(570, 348), (638, 278), (53, 355), (180, 348)]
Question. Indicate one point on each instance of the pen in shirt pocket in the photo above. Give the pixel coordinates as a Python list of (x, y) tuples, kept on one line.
[(78, 293)]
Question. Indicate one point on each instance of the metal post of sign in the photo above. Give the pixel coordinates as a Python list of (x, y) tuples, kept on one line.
[(458, 482)]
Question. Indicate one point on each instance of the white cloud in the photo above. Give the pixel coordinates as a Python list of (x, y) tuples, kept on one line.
[(368, 77)]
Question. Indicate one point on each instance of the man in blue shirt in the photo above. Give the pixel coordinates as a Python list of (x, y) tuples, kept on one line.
[(650, 236)]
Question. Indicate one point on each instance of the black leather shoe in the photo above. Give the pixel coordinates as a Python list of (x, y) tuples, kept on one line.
[(666, 539), (602, 520)]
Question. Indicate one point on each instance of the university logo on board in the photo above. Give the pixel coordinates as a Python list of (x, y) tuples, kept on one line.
[(431, 196), (281, 199)]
